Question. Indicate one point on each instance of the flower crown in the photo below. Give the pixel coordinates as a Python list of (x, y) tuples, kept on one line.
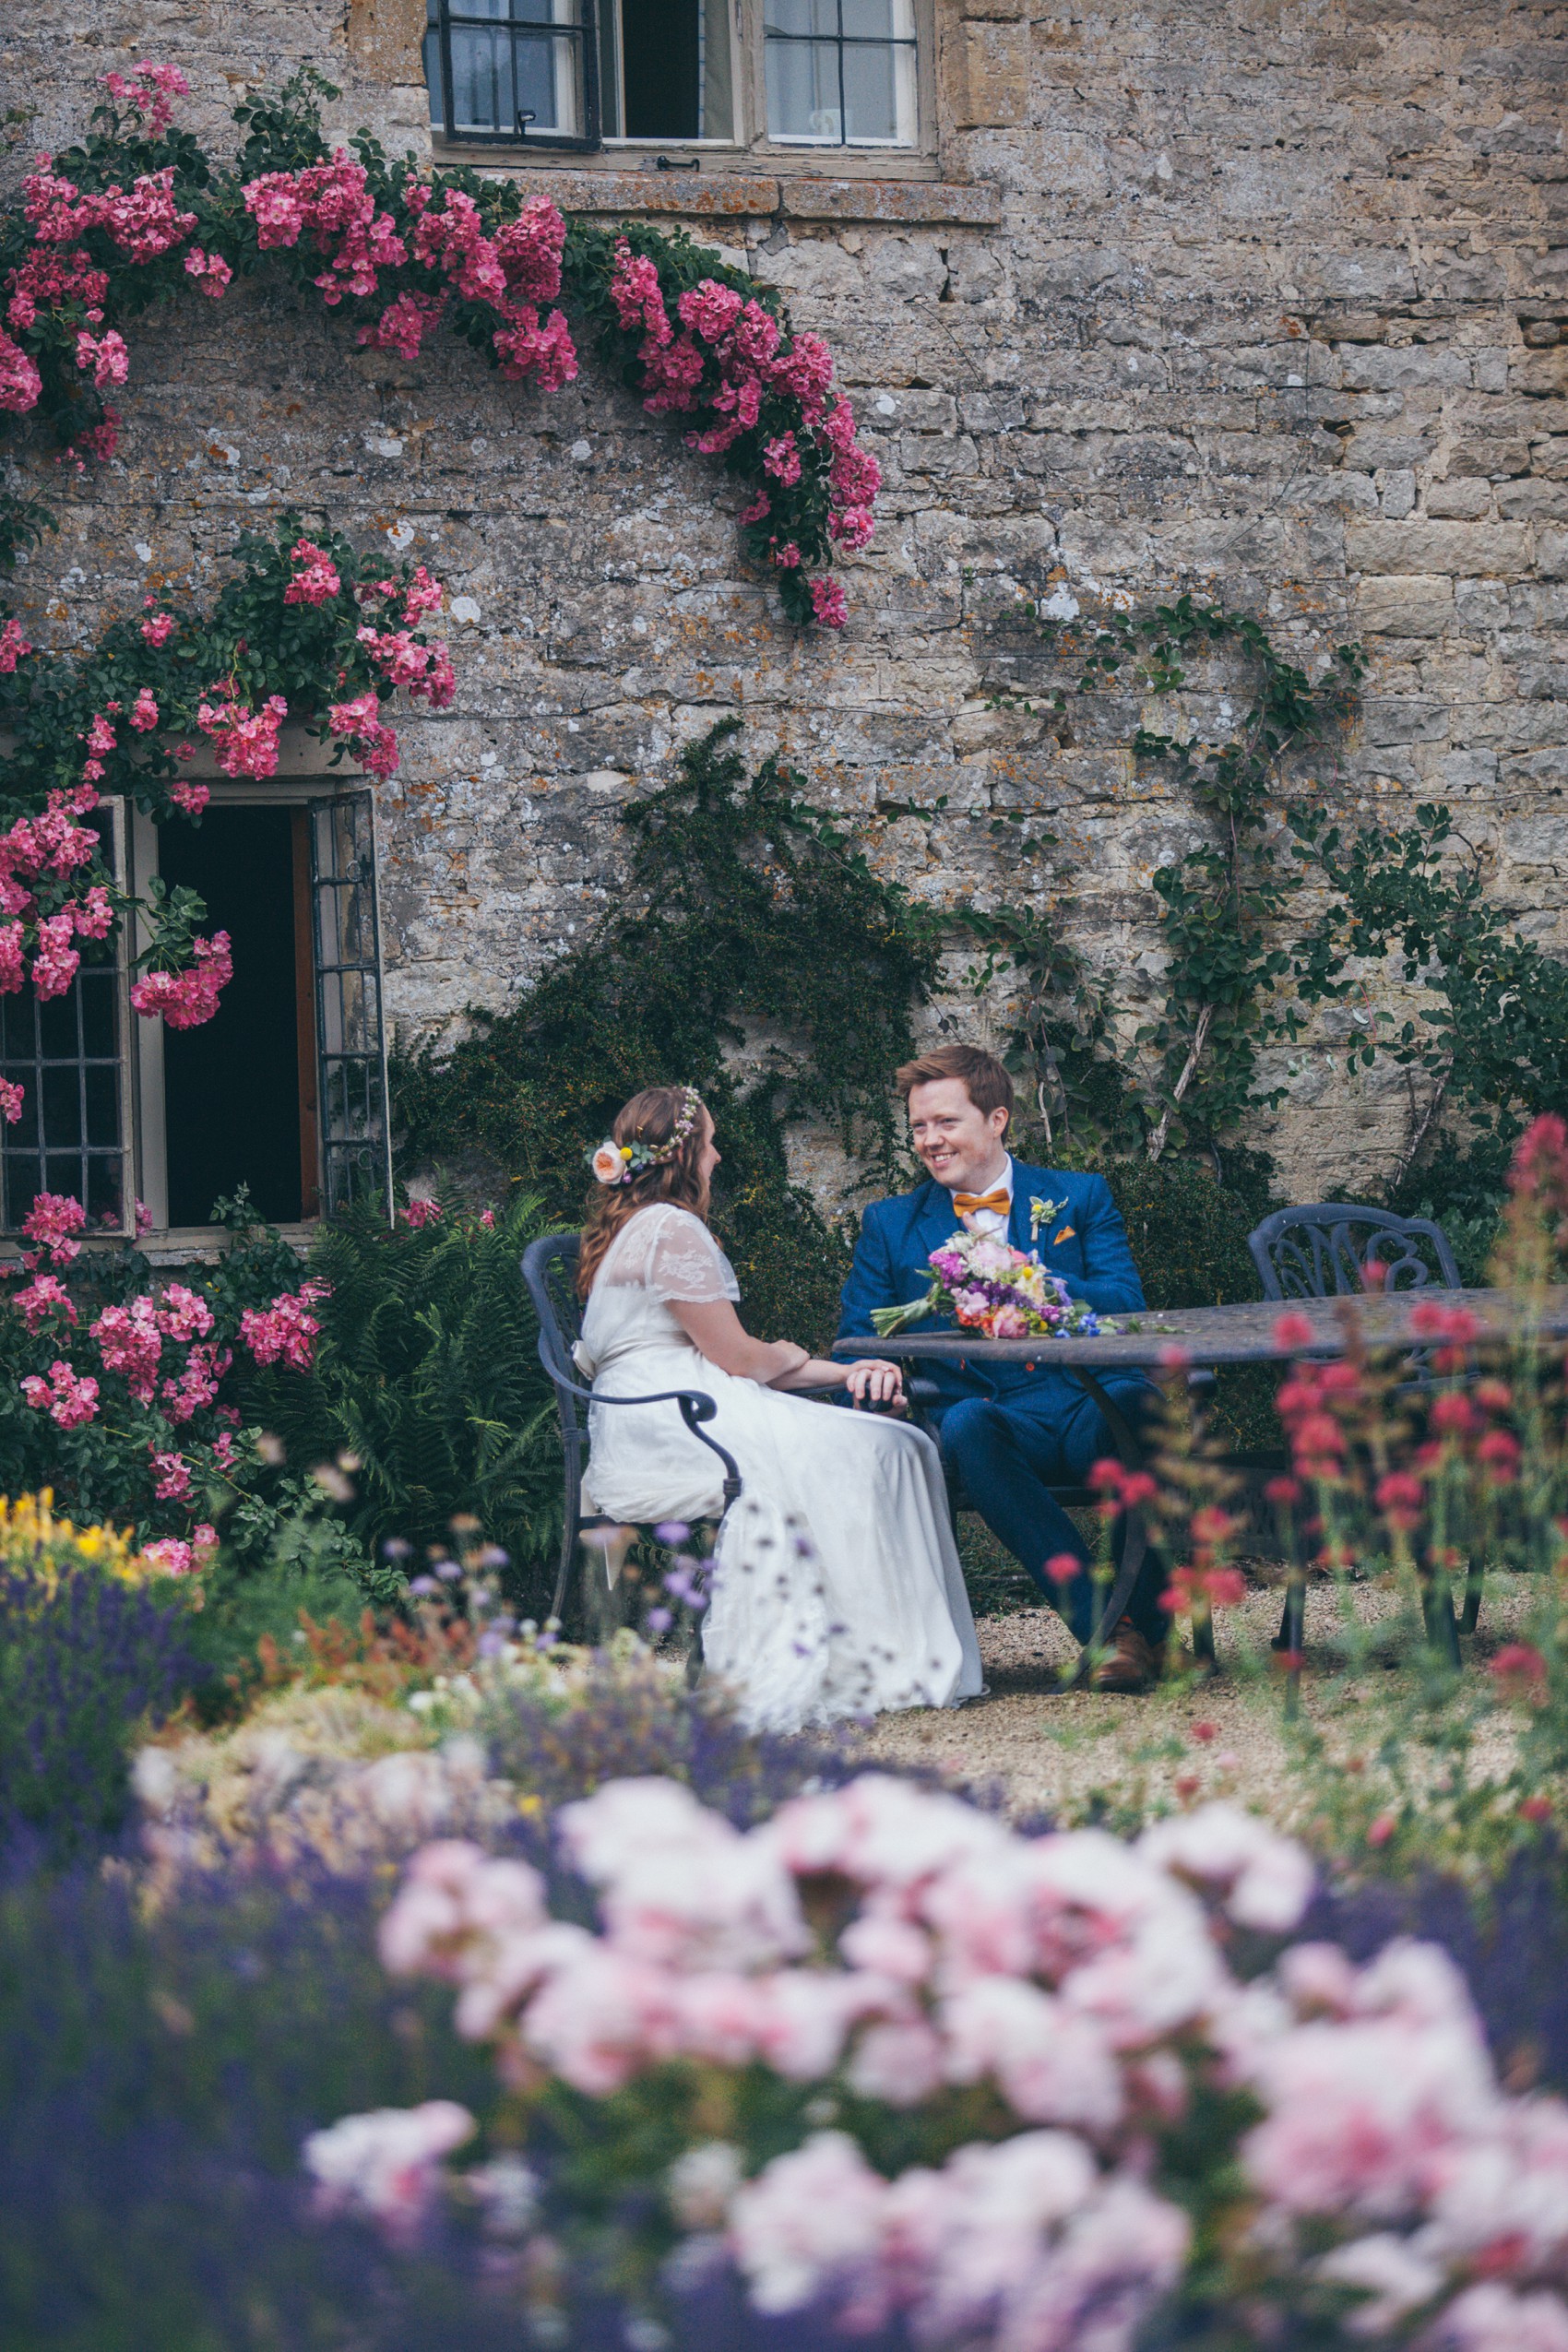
[(615, 1163)]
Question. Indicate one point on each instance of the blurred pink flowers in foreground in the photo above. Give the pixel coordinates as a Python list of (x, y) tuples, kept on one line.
[(897, 1945)]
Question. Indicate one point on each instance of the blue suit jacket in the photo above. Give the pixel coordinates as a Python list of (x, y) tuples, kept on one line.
[(1094, 1259)]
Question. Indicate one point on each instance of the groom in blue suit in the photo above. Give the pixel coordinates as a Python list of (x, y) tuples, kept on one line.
[(1009, 1433)]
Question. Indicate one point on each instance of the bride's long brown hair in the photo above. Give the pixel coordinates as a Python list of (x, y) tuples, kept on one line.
[(650, 1117)]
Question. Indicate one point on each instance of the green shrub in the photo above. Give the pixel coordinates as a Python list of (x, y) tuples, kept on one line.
[(427, 1380)]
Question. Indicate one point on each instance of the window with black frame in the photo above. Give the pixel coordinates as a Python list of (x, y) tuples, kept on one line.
[(578, 72), (511, 69), (65, 1054)]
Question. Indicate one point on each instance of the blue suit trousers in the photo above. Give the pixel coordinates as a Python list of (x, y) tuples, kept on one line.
[(1008, 1458)]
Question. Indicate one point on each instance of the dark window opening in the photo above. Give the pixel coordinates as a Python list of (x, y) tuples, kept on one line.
[(64, 1054), (238, 1091), (661, 68)]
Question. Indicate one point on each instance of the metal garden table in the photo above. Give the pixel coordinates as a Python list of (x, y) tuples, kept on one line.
[(1208, 1339)]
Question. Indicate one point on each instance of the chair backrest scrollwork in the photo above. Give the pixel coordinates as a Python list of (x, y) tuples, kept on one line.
[(550, 1271), (1324, 1249)]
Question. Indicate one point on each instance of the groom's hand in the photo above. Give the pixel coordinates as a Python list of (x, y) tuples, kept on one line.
[(874, 1382)]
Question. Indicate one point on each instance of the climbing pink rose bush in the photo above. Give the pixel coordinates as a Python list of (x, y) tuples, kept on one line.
[(1000, 2089), (115, 1383), (138, 210), (305, 629)]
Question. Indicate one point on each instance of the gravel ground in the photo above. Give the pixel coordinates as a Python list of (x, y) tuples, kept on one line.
[(1063, 1751)]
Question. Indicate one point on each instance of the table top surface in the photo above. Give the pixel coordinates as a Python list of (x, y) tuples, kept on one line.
[(1239, 1335)]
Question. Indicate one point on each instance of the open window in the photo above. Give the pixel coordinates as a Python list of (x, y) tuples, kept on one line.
[(587, 74), (284, 1090)]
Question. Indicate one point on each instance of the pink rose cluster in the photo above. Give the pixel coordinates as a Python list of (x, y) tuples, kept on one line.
[(187, 999), (732, 363), (246, 740), (41, 858), (1082, 1983), (148, 93), (333, 203), (287, 1331), (52, 1224), (316, 580), (513, 271), (59, 275), (130, 1340)]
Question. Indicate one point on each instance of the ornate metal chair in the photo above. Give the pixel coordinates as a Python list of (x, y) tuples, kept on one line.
[(1326, 1247), (550, 1269)]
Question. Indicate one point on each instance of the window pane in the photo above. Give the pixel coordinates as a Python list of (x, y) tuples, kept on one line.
[(97, 1012), (103, 1189), (802, 91), (879, 92), (506, 63), (879, 19), (57, 1027), (802, 18), (101, 1085), (61, 1092)]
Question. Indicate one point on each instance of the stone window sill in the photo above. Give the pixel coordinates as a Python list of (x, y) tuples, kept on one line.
[(728, 196)]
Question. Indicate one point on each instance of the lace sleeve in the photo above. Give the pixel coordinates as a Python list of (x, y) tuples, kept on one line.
[(687, 1263), (671, 1253)]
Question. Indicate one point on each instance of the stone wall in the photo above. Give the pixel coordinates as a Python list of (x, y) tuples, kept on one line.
[(1262, 298)]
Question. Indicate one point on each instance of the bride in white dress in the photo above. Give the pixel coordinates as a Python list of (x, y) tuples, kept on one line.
[(836, 1589)]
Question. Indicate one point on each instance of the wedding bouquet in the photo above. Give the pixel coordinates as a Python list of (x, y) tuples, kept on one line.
[(989, 1288)]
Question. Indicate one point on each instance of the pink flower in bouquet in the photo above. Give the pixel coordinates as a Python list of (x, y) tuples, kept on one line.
[(187, 999), (21, 383), (287, 1330), (107, 357), (12, 1097), (183, 1314)]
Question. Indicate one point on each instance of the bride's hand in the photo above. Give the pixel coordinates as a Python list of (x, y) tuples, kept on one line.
[(877, 1381)]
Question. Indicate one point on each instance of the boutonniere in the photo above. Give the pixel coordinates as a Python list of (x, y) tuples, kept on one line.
[(1044, 1213), (1041, 1212)]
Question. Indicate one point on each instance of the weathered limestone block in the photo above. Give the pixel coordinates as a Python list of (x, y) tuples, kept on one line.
[(989, 70)]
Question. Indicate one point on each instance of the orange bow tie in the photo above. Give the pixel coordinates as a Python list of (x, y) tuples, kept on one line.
[(999, 1202)]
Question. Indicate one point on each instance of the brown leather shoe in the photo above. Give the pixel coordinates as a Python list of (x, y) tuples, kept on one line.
[(1134, 1665)]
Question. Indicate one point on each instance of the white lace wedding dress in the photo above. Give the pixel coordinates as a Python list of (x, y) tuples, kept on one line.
[(837, 1586)]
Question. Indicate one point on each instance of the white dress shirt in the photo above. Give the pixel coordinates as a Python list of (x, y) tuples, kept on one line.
[(986, 1220)]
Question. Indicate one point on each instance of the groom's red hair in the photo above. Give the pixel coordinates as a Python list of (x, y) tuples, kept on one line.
[(984, 1077)]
